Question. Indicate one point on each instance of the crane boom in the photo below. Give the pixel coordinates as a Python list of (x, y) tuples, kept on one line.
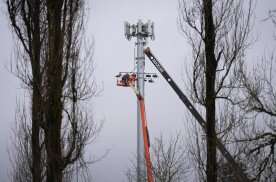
[(128, 80), (146, 139), (239, 174), (145, 130)]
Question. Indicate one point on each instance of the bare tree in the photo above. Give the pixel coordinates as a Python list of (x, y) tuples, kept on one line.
[(218, 34), (58, 75), (20, 156), (256, 137), (168, 161), (259, 136), (230, 122), (28, 27)]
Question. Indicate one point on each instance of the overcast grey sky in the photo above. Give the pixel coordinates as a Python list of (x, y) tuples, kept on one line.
[(113, 53)]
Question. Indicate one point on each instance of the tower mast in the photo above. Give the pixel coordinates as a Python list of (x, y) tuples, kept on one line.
[(141, 31)]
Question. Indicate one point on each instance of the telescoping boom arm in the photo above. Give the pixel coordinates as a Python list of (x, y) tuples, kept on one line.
[(239, 174), (146, 139), (141, 101), (128, 79)]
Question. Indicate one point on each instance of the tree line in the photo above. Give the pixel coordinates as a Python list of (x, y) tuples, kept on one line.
[(52, 135)]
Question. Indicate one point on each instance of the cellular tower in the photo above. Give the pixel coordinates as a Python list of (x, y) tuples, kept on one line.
[(142, 32), (136, 81)]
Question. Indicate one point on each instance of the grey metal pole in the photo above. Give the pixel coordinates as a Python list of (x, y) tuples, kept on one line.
[(140, 58), (141, 32)]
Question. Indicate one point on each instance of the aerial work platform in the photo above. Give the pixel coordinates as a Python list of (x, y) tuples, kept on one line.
[(128, 79)]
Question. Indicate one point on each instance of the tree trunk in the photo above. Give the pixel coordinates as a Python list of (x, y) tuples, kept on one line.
[(210, 91), (36, 152), (54, 92), (36, 95)]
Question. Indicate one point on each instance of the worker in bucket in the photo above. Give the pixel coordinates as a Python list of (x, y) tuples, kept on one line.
[(125, 79)]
